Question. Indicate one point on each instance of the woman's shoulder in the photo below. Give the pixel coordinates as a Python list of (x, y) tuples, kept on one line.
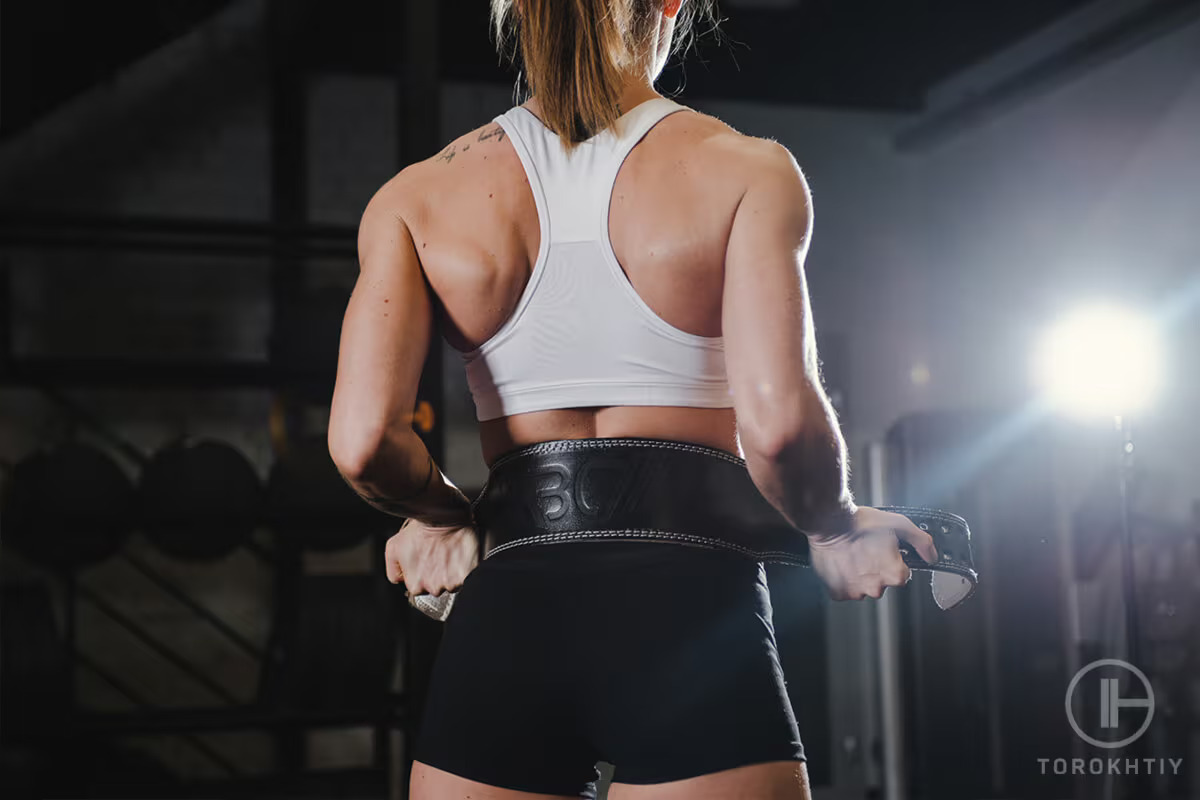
[(470, 159), (717, 142), (471, 149)]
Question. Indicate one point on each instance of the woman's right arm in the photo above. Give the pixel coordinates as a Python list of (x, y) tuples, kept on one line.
[(786, 424)]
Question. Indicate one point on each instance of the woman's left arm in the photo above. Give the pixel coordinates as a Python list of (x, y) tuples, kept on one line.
[(386, 335)]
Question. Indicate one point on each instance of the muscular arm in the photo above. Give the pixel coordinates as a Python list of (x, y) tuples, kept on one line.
[(786, 424), (386, 335)]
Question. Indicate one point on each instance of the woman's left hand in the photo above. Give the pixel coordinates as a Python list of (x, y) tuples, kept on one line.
[(431, 559)]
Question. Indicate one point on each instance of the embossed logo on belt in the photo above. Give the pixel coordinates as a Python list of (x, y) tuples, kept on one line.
[(595, 490)]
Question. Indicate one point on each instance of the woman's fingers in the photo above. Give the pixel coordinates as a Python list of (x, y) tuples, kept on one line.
[(394, 573), (919, 539), (868, 564), (437, 562), (886, 568), (897, 574)]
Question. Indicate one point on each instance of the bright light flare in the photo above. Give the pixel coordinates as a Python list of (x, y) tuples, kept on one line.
[(1100, 360)]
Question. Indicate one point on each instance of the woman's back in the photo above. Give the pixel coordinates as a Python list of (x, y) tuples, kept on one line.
[(474, 221)]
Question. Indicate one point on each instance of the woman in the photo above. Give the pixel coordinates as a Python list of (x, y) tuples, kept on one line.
[(614, 268)]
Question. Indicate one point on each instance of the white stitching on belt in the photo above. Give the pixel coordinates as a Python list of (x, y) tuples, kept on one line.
[(642, 533), (617, 534)]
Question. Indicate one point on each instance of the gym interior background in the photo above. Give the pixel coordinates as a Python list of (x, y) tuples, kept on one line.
[(194, 606)]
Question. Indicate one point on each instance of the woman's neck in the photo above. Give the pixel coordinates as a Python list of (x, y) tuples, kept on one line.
[(635, 94), (632, 94)]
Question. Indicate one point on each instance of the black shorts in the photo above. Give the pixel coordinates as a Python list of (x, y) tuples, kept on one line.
[(657, 658)]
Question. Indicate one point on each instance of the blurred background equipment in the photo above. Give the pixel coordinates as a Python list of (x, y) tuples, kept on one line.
[(982, 688), (199, 500), (67, 506)]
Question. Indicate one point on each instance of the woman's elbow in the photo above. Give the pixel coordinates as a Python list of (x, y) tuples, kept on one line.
[(773, 427), (766, 434), (353, 449)]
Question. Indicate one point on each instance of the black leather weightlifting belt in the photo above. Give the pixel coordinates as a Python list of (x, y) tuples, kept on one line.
[(656, 490)]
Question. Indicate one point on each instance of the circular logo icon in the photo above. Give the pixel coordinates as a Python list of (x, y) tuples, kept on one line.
[(1111, 702)]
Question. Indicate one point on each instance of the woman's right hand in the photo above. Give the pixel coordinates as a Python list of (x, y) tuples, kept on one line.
[(866, 559)]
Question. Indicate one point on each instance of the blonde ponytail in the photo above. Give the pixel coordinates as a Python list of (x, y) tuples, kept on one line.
[(576, 54)]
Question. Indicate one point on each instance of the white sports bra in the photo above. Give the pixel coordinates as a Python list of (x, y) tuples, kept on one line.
[(580, 335)]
